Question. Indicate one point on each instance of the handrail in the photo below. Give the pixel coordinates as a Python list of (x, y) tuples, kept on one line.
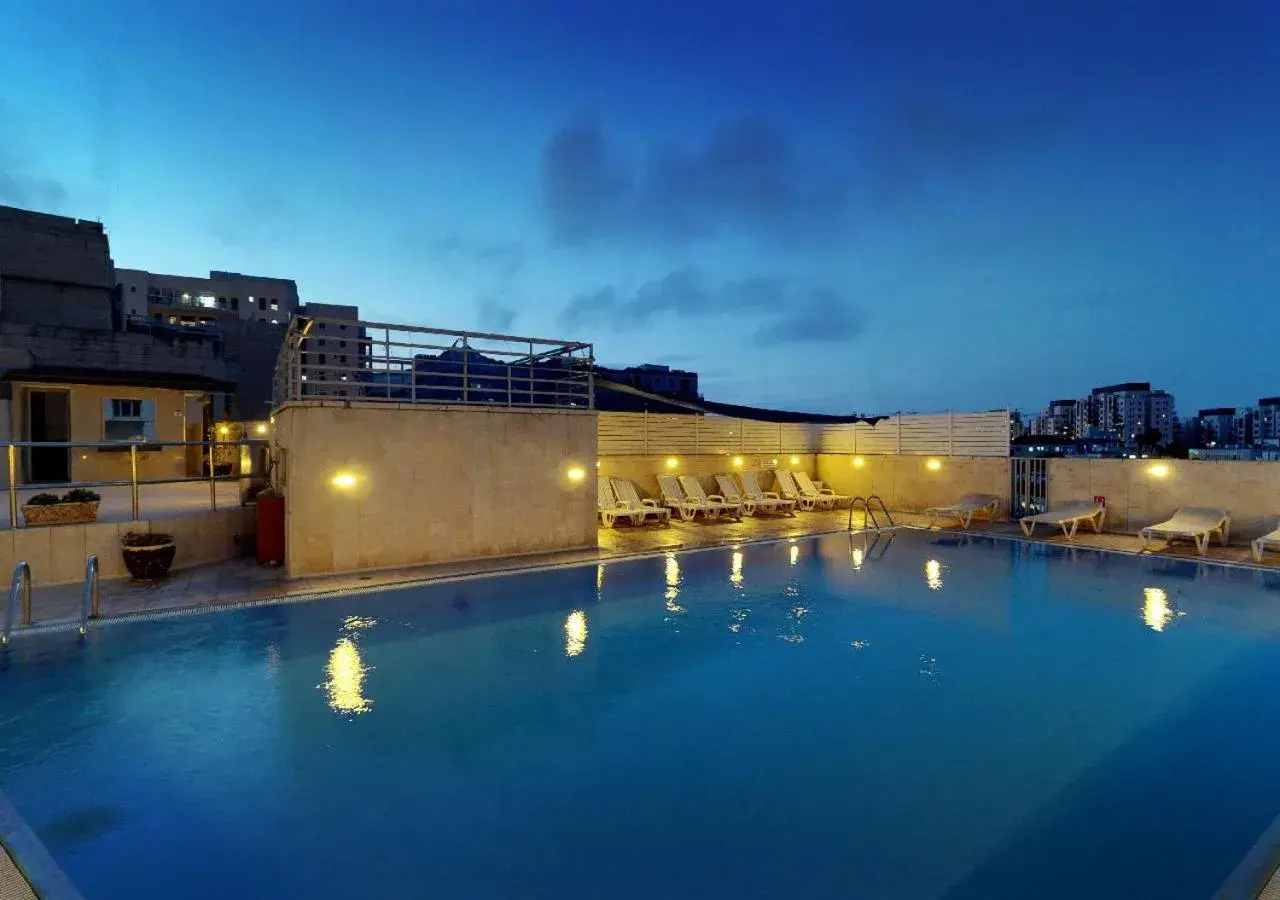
[(89, 599), (19, 586), (868, 514)]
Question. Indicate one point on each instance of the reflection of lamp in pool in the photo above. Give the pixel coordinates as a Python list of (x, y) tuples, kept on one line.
[(575, 633), (673, 584), (599, 577), (1155, 608), (858, 557), (735, 569), (345, 685), (933, 574), (794, 554)]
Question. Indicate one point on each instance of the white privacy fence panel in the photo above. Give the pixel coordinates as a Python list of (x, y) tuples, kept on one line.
[(936, 434)]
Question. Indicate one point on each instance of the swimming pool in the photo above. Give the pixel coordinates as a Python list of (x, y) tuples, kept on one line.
[(915, 717)]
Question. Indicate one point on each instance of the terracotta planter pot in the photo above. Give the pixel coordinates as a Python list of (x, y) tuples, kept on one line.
[(60, 513), (149, 563)]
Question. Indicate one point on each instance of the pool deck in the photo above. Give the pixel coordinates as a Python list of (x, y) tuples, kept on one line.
[(242, 581)]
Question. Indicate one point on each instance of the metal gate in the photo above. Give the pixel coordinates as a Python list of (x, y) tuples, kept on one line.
[(1030, 482)]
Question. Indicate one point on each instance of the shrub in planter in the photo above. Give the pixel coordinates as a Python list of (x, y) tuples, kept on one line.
[(76, 505), (147, 555)]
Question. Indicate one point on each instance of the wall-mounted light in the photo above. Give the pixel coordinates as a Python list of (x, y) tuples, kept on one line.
[(576, 473), (672, 462), (1159, 470), (773, 462), (859, 462), (933, 465), (261, 428), (737, 462), (223, 430), (344, 481), (795, 460)]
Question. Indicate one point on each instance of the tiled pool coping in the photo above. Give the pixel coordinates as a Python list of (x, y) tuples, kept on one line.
[(27, 870)]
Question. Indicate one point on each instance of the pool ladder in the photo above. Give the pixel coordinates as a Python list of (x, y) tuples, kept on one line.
[(868, 511), (20, 592)]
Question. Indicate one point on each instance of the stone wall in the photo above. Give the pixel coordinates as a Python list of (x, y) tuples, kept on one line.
[(376, 486), (57, 554), (910, 484), (1141, 492), (25, 346), (53, 270)]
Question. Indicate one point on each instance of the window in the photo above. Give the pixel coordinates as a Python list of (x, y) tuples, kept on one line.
[(126, 419), (222, 301), (133, 289), (262, 302), (342, 343), (235, 302), (321, 342), (275, 305), (322, 359)]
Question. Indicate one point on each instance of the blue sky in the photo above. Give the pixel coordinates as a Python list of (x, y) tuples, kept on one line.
[(833, 206)]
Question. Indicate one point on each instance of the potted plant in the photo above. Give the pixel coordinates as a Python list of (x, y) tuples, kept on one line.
[(76, 505), (147, 554)]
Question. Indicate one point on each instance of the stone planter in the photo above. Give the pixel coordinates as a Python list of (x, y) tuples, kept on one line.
[(149, 561), (59, 513)]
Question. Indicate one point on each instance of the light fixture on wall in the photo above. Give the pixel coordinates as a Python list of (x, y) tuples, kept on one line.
[(858, 462), (672, 462), (795, 460), (344, 481), (576, 473), (737, 462), (933, 465), (223, 430), (261, 428), (1158, 470)]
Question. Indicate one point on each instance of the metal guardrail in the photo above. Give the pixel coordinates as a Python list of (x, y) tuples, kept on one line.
[(209, 459), (89, 601), (329, 358)]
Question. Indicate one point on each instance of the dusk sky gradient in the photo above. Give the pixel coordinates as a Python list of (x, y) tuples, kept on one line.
[(828, 206)]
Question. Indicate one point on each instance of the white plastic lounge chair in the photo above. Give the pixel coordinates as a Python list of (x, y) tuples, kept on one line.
[(607, 504), (787, 488), (763, 499), (825, 495), (693, 490), (970, 505), (1271, 539), (687, 507), (1068, 517), (729, 490), (639, 510), (1194, 522)]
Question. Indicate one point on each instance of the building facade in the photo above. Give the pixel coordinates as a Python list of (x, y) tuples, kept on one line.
[(665, 381), (335, 351), (193, 301)]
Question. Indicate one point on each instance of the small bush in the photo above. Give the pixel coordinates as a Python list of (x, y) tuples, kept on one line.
[(44, 500), (81, 495), (145, 539)]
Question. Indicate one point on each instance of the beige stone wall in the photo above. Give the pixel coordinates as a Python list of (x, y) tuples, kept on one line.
[(1142, 492), (908, 483), (431, 483), (57, 554), (644, 470)]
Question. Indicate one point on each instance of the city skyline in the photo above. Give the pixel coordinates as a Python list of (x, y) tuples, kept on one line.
[(840, 208)]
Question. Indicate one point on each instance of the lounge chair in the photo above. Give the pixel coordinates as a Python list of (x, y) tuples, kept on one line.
[(970, 505), (1196, 523), (1068, 517), (607, 504), (1271, 539), (825, 495), (729, 490), (787, 488), (767, 500), (687, 507), (693, 490), (639, 510)]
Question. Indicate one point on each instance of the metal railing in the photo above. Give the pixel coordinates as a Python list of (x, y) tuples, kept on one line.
[(868, 511), (345, 359), (20, 455), (19, 590)]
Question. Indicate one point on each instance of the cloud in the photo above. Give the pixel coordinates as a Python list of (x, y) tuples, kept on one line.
[(788, 311), (745, 176), (495, 315), (31, 192), (500, 259)]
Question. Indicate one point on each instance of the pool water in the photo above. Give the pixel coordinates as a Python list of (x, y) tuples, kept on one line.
[(908, 717)]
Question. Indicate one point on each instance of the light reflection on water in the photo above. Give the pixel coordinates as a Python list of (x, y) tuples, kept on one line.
[(673, 584), (575, 633)]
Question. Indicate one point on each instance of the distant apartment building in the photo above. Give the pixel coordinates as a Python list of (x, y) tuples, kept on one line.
[(1268, 428), (1129, 410), (335, 351), (193, 301), (1216, 427)]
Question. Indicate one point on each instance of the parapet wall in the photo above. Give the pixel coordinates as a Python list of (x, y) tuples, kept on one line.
[(377, 486)]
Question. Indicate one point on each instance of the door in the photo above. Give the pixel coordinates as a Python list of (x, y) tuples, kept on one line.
[(48, 419)]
